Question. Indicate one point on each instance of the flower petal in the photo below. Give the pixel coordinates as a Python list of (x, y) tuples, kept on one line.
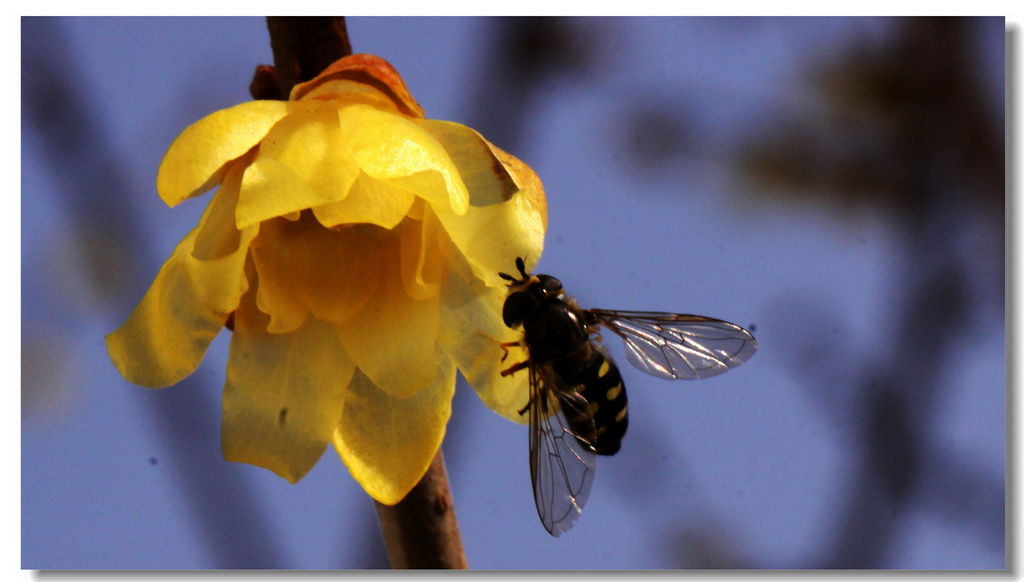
[(485, 177), (492, 237), (368, 201), (394, 149), (302, 162), (304, 267), (284, 393), (167, 334), (270, 189), (421, 264), (195, 161), (372, 74), (391, 339), (470, 332), (388, 442), (525, 178), (216, 265)]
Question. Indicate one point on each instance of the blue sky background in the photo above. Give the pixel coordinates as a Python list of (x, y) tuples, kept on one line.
[(637, 128)]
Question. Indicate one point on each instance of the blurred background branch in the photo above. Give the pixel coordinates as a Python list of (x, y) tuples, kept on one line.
[(902, 128), (103, 225)]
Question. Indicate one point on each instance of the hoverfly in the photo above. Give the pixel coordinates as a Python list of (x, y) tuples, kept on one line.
[(577, 403)]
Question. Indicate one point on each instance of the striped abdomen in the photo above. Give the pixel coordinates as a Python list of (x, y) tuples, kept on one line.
[(601, 385)]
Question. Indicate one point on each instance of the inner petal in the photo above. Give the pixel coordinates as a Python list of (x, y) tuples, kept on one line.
[(392, 338), (392, 148), (421, 261), (302, 162), (214, 262), (370, 201), (304, 267)]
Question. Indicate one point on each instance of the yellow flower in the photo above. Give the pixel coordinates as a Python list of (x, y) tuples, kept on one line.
[(355, 248)]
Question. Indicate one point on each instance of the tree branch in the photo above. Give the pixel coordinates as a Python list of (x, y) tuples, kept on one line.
[(304, 46), (421, 530)]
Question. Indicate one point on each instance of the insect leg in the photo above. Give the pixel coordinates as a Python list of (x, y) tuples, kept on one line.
[(505, 346), (515, 368), (523, 410)]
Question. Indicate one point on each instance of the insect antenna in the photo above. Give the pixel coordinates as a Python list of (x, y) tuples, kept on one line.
[(522, 268)]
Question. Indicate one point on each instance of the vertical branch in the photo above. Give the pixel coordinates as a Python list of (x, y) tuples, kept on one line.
[(420, 531), (305, 45)]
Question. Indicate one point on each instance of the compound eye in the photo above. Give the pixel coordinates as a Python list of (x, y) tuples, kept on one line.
[(517, 305), (549, 283)]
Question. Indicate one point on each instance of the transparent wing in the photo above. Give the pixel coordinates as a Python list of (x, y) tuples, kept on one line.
[(561, 462), (675, 346)]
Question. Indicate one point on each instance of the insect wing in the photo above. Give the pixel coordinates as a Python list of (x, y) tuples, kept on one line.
[(676, 346), (561, 462)]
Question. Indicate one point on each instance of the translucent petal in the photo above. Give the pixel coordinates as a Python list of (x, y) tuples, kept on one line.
[(270, 189), (370, 201), (470, 332), (284, 393), (485, 177), (195, 161), (492, 237), (421, 262), (394, 149), (218, 257), (302, 162), (218, 236), (304, 267), (388, 442), (392, 338), (525, 178), (167, 334)]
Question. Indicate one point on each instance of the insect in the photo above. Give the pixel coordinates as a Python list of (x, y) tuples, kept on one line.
[(577, 405)]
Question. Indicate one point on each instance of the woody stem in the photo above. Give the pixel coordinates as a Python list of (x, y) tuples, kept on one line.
[(304, 46), (420, 531)]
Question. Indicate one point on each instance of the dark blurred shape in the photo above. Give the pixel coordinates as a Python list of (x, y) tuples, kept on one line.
[(893, 117), (92, 181), (530, 54), (102, 215), (656, 135), (705, 546), (891, 435), (44, 365), (905, 128)]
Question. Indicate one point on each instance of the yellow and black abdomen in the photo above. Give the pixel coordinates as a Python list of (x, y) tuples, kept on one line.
[(601, 385)]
